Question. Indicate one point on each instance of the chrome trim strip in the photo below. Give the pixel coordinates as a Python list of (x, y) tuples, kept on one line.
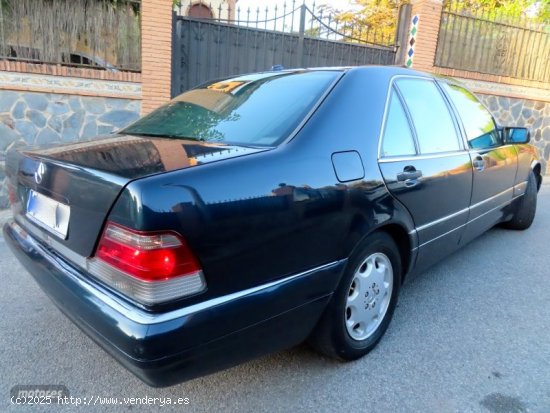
[(470, 221), (42, 235), (497, 207), (468, 209), (522, 186), (181, 312), (443, 219), (421, 157), (491, 198), (478, 152), (142, 317), (442, 235)]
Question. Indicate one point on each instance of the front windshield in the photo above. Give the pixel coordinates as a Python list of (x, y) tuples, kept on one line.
[(256, 110)]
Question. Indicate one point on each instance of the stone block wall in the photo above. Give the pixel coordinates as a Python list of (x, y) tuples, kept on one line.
[(532, 114), (32, 118)]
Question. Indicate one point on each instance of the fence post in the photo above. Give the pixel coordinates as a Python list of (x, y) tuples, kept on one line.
[(428, 14), (176, 56), (402, 33), (301, 33), (156, 53)]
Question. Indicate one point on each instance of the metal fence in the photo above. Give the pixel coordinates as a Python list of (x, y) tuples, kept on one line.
[(101, 34), (224, 42), (492, 42)]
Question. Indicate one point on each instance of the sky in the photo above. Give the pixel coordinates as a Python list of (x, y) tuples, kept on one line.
[(270, 4), (253, 4)]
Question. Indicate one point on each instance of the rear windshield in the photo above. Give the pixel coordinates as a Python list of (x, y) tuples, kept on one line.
[(256, 110)]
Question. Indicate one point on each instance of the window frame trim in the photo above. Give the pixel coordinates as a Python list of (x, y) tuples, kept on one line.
[(448, 154), (460, 137)]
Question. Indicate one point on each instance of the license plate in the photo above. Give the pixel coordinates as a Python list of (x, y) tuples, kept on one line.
[(49, 213)]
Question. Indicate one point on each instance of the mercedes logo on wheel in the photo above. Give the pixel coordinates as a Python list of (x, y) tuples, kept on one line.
[(39, 174)]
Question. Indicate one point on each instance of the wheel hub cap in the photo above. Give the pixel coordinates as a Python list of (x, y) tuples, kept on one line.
[(369, 296)]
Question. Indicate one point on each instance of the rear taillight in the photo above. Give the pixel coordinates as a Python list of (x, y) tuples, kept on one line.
[(150, 267), (12, 197)]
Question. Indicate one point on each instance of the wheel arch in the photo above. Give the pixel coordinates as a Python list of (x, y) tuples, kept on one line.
[(402, 238)]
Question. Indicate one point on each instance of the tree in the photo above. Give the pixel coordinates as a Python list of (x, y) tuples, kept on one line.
[(505, 8), (368, 20), (376, 20)]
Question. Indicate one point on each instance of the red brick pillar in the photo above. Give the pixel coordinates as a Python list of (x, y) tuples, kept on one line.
[(428, 14), (156, 53)]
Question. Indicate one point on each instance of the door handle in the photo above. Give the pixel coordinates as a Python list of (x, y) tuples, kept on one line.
[(409, 174), (478, 163)]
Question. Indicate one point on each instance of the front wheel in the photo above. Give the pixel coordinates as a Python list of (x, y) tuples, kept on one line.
[(363, 304)]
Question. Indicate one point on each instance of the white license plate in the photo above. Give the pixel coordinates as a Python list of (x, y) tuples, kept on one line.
[(49, 213)]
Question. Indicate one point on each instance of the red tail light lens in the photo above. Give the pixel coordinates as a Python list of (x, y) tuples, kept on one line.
[(12, 197), (149, 267), (147, 256)]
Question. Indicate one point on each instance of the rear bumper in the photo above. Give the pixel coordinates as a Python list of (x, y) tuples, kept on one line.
[(166, 348)]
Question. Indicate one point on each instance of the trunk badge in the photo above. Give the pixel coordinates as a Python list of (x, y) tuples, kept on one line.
[(40, 171)]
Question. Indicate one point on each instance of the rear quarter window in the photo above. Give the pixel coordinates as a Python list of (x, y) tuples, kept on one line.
[(397, 139)]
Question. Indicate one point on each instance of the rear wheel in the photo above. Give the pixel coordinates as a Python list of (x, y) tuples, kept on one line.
[(526, 207), (362, 306)]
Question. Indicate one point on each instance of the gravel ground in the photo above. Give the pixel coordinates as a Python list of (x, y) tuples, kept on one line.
[(470, 335)]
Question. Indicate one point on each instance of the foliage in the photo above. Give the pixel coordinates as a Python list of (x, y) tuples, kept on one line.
[(509, 8), (364, 18), (368, 20)]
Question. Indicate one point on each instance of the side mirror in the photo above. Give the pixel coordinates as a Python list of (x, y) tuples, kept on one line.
[(516, 135)]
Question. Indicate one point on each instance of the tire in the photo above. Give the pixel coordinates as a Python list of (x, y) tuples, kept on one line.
[(342, 332), (526, 207)]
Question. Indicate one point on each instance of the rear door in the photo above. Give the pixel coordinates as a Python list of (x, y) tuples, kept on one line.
[(425, 165), (494, 164)]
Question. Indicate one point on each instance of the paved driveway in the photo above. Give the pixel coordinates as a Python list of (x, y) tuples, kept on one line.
[(470, 335)]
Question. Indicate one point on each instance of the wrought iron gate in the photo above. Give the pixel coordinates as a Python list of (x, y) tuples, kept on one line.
[(206, 49)]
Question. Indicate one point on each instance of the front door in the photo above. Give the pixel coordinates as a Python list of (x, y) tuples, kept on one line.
[(495, 165)]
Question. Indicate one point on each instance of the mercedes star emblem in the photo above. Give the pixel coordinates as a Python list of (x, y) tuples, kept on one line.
[(39, 174)]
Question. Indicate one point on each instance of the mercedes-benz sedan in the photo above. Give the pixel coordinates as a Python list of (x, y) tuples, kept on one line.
[(252, 213)]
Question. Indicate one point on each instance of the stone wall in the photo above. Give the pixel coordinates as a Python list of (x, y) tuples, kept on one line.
[(39, 118), (532, 114)]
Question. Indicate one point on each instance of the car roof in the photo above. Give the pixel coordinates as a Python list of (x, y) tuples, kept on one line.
[(389, 69)]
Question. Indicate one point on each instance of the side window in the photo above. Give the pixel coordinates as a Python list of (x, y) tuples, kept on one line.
[(480, 127), (397, 139), (435, 129)]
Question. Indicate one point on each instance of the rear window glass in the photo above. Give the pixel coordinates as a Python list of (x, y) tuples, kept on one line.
[(257, 110)]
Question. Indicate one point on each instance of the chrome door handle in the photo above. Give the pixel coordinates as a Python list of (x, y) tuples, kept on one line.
[(478, 163), (409, 173)]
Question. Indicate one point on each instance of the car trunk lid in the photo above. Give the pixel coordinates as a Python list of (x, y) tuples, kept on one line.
[(80, 182)]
